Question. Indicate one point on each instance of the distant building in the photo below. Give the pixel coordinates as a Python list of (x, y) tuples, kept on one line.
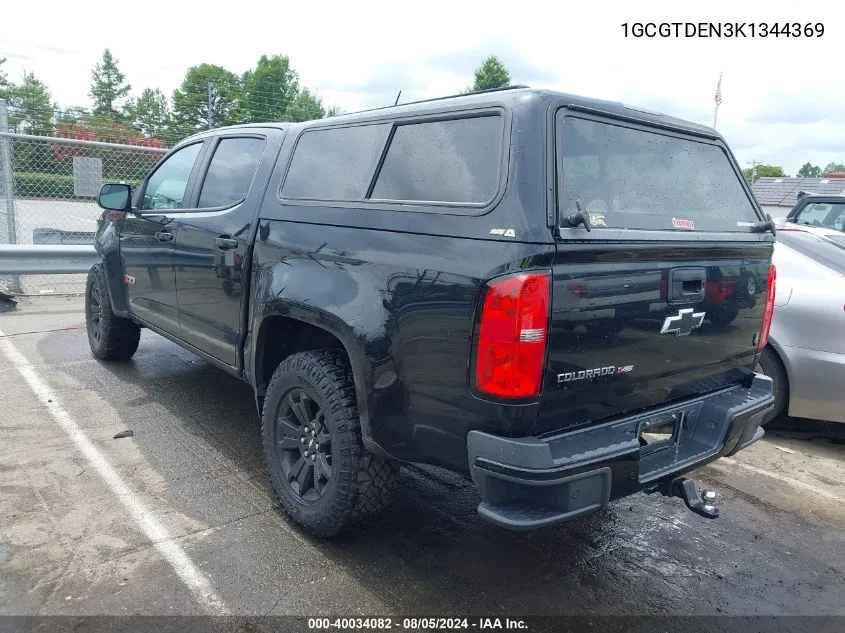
[(778, 195)]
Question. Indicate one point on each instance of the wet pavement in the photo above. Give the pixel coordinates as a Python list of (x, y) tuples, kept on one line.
[(68, 544)]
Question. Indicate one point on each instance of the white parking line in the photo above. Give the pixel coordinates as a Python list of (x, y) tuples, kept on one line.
[(188, 572), (795, 483)]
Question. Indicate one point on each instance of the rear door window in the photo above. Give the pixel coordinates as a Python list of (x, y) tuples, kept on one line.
[(230, 172), (453, 161), (628, 178)]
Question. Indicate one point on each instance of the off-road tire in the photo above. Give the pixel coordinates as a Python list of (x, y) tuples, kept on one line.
[(361, 484), (110, 337), (771, 365)]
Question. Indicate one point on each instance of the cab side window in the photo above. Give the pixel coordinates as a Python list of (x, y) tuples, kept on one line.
[(166, 187)]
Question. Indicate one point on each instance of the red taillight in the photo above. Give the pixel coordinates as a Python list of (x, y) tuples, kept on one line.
[(770, 308), (512, 339)]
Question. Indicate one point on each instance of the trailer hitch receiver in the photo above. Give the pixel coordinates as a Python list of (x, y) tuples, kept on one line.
[(700, 503)]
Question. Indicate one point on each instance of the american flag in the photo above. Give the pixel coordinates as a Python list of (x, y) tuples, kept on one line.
[(718, 98)]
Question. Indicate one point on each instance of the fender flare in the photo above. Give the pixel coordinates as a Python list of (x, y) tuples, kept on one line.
[(358, 362)]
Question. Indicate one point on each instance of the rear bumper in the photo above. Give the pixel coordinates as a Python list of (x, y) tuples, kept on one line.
[(531, 482)]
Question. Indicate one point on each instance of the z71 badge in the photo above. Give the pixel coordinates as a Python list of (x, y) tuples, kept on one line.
[(505, 232), (584, 374)]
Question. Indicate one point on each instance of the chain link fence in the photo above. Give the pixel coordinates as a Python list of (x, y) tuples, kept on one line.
[(48, 191)]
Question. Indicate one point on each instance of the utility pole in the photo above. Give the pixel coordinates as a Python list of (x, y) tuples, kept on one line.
[(754, 164), (7, 184), (210, 110)]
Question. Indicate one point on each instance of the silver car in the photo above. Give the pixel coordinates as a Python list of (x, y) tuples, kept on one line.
[(806, 353)]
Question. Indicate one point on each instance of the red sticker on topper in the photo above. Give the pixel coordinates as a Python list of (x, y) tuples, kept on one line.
[(683, 224)]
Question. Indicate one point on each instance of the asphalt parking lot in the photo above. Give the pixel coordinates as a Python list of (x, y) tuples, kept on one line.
[(179, 519)]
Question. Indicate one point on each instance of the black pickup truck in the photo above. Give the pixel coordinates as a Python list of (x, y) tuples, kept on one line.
[(513, 284)]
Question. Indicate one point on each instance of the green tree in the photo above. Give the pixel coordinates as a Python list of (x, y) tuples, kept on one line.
[(31, 107), (5, 84), (270, 89), (754, 174), (831, 167), (491, 74), (150, 114), (306, 107), (190, 100), (809, 171), (108, 86)]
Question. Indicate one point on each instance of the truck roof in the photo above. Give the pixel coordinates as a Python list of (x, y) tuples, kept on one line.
[(509, 96)]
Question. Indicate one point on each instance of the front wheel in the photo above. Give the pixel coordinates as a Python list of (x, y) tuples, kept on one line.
[(323, 477), (110, 337)]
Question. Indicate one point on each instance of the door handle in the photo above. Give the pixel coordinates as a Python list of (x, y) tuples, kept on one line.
[(163, 236), (687, 284), (225, 243)]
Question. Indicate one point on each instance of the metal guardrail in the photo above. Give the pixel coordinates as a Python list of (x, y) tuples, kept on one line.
[(43, 259), (48, 192)]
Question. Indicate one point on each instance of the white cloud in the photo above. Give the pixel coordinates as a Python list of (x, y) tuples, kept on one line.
[(779, 103)]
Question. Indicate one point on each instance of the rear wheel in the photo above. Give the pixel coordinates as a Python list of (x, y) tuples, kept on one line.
[(323, 477), (110, 337), (771, 365)]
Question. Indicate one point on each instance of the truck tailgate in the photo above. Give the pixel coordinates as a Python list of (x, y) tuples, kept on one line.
[(638, 326)]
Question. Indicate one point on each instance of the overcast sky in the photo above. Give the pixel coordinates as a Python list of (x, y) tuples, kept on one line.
[(782, 97)]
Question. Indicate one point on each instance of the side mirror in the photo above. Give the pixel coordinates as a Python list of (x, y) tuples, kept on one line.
[(115, 197)]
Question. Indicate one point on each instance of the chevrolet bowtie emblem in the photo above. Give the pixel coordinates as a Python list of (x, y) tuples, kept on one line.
[(683, 323)]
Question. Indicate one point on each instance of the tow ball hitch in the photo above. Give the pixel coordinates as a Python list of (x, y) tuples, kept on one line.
[(700, 503)]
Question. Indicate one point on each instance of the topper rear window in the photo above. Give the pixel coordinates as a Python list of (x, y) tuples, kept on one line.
[(627, 178)]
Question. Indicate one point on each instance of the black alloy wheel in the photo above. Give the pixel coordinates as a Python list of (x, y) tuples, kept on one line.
[(306, 445), (95, 312)]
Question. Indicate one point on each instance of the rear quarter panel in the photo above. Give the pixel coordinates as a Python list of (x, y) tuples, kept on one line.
[(403, 306)]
